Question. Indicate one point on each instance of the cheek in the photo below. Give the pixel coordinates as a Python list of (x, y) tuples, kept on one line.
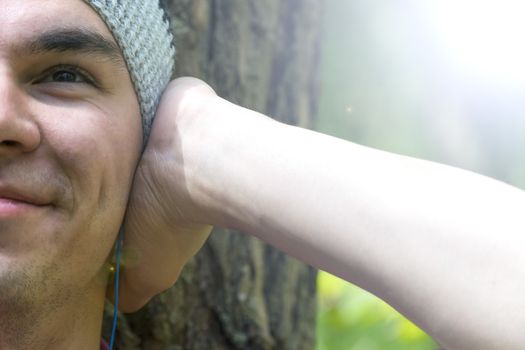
[(98, 152)]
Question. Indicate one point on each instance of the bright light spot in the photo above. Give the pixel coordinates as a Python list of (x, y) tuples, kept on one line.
[(487, 37)]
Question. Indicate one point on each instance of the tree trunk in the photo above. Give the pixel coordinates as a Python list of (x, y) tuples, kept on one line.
[(239, 293)]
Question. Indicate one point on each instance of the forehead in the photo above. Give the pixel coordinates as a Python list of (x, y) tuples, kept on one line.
[(22, 20)]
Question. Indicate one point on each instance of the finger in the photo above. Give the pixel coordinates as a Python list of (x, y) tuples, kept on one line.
[(154, 252), (158, 267)]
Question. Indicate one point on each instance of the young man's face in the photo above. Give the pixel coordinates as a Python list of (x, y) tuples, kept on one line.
[(69, 142)]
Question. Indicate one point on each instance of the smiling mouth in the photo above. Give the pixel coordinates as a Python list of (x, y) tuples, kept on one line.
[(20, 198), (10, 207)]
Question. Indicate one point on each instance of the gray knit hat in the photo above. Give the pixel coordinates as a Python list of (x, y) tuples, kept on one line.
[(142, 30)]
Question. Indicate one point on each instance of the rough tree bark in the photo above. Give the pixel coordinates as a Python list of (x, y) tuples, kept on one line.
[(239, 293)]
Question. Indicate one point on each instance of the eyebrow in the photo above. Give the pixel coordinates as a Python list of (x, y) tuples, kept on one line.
[(74, 40)]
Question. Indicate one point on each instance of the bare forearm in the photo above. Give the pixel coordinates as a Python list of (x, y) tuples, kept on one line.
[(440, 244)]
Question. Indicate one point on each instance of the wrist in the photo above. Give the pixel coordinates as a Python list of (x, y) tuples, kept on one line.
[(222, 149)]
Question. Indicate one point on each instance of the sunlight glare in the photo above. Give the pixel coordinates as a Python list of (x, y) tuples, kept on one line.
[(485, 36)]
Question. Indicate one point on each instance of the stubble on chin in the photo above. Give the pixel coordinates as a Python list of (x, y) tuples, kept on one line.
[(27, 297)]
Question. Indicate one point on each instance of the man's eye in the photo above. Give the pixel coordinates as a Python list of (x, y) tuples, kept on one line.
[(66, 74)]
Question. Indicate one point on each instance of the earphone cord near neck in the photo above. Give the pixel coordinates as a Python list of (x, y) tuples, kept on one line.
[(117, 270)]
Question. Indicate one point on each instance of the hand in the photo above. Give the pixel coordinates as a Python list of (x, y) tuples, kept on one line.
[(164, 225)]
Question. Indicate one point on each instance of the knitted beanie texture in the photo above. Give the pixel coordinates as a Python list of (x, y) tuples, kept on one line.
[(142, 31)]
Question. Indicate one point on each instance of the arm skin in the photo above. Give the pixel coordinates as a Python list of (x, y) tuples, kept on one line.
[(442, 245)]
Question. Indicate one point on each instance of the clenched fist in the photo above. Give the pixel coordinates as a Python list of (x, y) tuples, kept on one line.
[(165, 224)]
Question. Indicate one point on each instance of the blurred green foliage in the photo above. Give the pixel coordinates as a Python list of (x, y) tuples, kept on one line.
[(352, 319)]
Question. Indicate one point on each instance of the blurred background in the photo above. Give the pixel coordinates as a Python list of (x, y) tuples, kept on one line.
[(442, 80)]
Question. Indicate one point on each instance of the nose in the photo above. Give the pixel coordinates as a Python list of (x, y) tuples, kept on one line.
[(19, 133)]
